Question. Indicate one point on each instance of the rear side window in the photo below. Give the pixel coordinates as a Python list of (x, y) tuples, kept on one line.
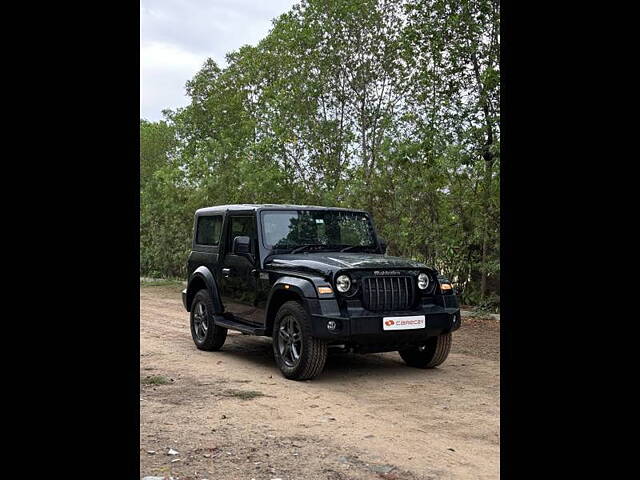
[(209, 229)]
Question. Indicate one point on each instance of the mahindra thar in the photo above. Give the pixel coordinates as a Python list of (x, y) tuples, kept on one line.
[(312, 278)]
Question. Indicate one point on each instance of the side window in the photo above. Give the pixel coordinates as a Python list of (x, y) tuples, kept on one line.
[(209, 229), (242, 227)]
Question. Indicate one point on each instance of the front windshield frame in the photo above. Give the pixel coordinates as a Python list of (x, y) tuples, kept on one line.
[(268, 247)]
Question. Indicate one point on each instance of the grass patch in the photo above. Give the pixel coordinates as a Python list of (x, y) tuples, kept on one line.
[(155, 380), (160, 282), (243, 394)]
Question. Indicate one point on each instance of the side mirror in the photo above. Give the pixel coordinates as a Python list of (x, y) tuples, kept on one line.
[(241, 246), (383, 245)]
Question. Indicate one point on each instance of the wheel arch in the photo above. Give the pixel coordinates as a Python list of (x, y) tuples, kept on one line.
[(200, 279), (284, 290)]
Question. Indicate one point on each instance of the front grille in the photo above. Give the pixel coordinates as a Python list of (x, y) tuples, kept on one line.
[(387, 293)]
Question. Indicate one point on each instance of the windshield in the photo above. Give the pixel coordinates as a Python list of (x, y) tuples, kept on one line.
[(319, 229)]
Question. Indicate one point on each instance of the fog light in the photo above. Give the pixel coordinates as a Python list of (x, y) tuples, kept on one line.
[(331, 325)]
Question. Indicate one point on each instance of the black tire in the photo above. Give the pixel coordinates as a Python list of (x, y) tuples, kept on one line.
[(205, 333), (434, 351), (312, 352)]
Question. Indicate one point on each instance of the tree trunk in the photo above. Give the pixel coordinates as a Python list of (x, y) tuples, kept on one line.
[(485, 225), (488, 159)]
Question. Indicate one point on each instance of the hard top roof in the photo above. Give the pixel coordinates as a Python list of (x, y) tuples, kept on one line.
[(267, 206)]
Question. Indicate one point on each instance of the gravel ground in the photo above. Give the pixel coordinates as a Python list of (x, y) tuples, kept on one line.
[(231, 415)]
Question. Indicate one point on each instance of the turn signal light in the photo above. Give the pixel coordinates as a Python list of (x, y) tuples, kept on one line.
[(446, 286), (325, 290)]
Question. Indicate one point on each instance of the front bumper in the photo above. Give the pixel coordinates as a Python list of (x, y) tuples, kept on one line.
[(365, 329)]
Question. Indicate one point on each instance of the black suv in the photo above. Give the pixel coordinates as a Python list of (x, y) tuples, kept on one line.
[(311, 278)]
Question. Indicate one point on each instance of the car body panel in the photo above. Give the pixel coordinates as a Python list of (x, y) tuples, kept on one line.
[(250, 285), (328, 263)]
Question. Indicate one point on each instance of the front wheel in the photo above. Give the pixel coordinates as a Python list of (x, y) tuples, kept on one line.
[(298, 355), (430, 354)]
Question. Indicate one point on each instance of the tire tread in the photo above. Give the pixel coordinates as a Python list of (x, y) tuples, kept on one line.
[(314, 356), (436, 353), (443, 346)]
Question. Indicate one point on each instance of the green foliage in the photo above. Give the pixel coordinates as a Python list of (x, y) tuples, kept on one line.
[(391, 106), (243, 394), (155, 380)]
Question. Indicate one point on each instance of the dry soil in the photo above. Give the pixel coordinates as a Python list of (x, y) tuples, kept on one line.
[(231, 415)]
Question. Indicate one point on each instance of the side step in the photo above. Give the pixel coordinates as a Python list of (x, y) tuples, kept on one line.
[(239, 326)]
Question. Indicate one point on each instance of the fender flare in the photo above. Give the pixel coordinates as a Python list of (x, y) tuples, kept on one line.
[(203, 274), (303, 288)]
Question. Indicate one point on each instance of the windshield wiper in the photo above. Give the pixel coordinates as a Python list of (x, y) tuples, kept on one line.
[(305, 246), (319, 246), (351, 247)]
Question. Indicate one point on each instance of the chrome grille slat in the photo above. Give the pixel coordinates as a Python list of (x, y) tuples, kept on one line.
[(387, 293), (393, 297), (406, 287), (386, 290)]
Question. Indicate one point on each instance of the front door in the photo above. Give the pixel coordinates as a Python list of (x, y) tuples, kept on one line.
[(238, 274)]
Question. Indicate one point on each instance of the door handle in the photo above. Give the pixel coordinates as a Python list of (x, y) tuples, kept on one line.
[(226, 271)]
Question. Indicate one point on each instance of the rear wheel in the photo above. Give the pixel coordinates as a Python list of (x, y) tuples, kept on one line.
[(298, 355), (205, 333), (430, 354)]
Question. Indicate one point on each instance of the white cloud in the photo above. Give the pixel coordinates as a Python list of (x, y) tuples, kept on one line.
[(164, 69), (177, 36)]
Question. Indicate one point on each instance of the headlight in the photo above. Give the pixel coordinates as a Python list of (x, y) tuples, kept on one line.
[(343, 283), (423, 281)]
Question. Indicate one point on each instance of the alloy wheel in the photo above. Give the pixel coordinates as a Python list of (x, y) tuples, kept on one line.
[(290, 341), (200, 325)]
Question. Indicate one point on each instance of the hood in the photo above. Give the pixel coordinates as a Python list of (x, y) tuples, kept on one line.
[(327, 263)]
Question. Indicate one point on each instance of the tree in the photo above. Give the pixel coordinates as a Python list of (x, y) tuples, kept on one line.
[(392, 106)]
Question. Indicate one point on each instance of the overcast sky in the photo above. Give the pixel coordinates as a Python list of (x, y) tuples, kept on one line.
[(177, 36)]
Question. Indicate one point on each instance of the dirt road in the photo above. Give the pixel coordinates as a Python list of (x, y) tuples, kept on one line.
[(231, 415)]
